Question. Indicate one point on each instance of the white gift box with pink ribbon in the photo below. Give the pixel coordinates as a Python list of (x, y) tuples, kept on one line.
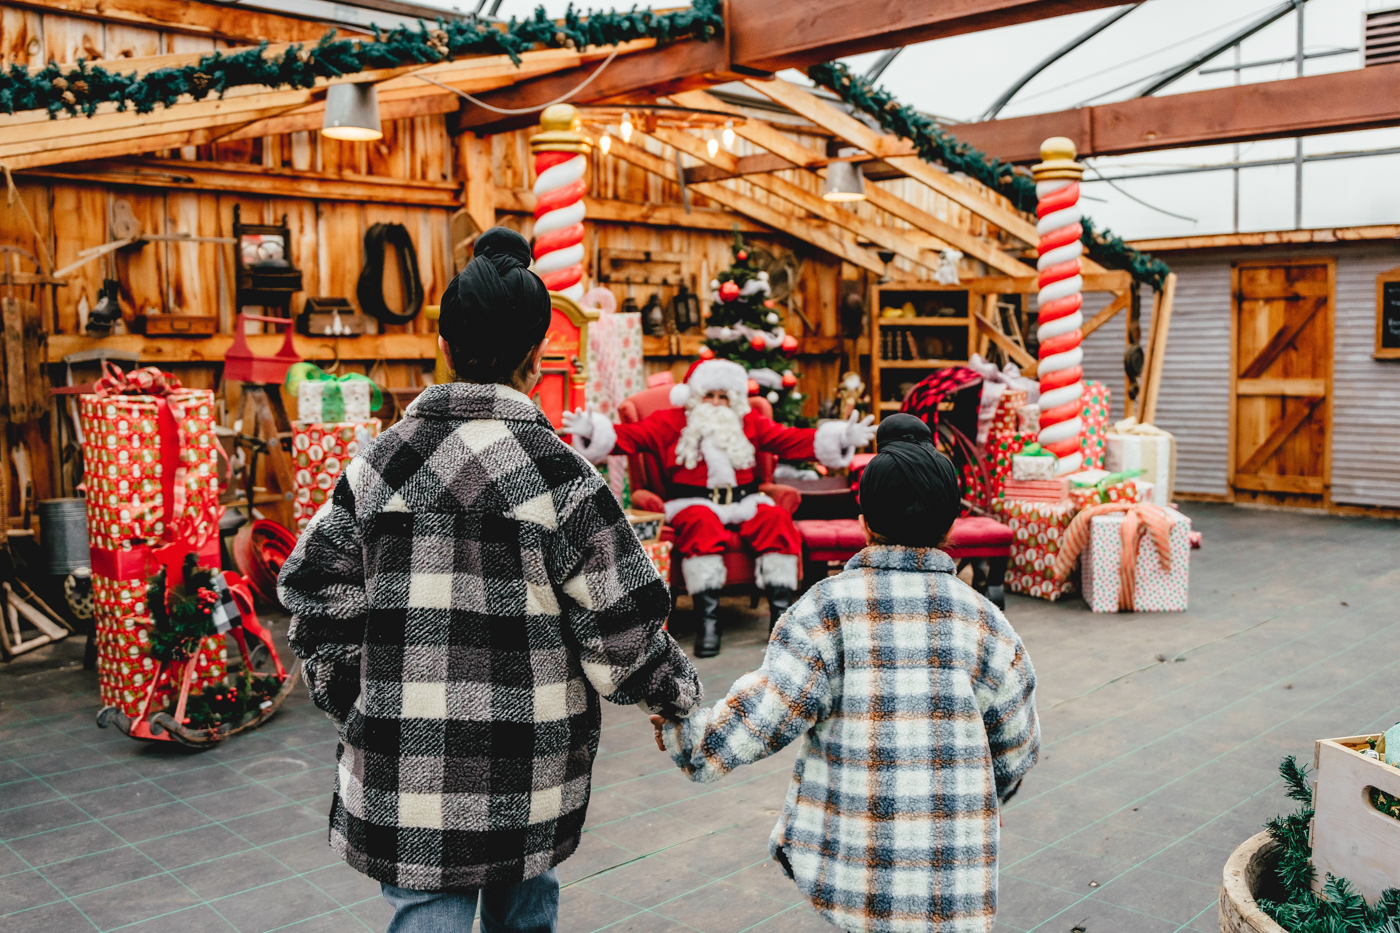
[(1155, 589)]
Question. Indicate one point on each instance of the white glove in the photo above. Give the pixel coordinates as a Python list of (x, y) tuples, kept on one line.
[(578, 423), (858, 433)]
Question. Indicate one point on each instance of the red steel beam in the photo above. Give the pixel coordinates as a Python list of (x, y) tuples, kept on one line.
[(1364, 99)]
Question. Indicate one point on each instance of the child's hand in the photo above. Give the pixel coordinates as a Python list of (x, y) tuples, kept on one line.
[(658, 723)]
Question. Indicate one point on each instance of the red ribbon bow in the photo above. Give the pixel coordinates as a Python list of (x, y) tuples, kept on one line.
[(148, 380)]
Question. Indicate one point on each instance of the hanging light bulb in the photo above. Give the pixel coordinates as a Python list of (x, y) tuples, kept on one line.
[(605, 144), (626, 127), (844, 182), (728, 135), (352, 113), (712, 146)]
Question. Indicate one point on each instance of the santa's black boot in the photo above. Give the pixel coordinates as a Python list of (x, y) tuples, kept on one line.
[(779, 600), (707, 638)]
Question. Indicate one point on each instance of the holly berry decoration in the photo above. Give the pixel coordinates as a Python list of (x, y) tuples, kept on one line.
[(728, 291), (742, 255), (789, 380), (789, 344)]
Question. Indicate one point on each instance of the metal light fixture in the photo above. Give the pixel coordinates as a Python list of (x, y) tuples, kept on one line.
[(844, 182), (352, 113)]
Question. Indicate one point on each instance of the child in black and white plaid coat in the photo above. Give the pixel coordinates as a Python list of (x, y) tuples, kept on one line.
[(460, 604), (915, 703)]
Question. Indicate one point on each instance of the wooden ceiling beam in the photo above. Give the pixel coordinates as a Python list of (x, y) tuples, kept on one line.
[(789, 224), (887, 237), (775, 34), (1363, 99), (808, 105), (179, 174), (608, 210), (215, 20)]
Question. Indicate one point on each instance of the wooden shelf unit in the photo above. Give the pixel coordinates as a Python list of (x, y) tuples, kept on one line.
[(966, 298)]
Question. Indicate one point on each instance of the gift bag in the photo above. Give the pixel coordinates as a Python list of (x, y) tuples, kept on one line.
[(1155, 589), (1133, 446), (152, 497), (320, 453), (1036, 528)]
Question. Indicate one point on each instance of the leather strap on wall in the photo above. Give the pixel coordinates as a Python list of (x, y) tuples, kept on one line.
[(370, 288)]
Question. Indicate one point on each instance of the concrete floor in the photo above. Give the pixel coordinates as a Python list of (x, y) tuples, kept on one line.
[(1162, 734)]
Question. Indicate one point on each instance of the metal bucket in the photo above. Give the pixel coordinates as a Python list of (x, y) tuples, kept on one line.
[(63, 525)]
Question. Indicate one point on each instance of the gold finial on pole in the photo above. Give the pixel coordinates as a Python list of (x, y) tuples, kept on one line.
[(560, 131), (1057, 154)]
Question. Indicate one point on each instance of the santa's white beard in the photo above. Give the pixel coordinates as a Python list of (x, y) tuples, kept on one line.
[(715, 434)]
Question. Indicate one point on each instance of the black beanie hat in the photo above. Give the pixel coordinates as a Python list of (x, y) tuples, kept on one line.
[(495, 310), (909, 492)]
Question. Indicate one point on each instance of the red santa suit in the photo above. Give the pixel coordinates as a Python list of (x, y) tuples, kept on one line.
[(711, 486)]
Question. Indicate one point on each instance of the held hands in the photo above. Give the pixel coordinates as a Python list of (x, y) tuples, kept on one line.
[(858, 433), (657, 724), (578, 423)]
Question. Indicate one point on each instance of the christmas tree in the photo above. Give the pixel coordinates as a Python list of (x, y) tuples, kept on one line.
[(744, 325)]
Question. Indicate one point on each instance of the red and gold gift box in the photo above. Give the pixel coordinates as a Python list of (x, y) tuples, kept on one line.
[(1004, 420), (151, 478), (1093, 442), (1036, 528), (659, 552), (321, 452)]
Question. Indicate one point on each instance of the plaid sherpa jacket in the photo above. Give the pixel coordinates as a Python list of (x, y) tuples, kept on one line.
[(917, 701), (461, 602)]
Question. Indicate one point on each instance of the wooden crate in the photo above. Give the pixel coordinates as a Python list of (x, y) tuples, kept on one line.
[(1350, 837)]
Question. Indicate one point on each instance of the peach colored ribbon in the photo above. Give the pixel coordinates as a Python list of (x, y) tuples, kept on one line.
[(1138, 517)]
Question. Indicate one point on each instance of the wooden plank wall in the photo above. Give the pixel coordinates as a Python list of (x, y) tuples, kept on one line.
[(326, 235)]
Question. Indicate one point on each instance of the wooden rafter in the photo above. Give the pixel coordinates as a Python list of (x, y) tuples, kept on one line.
[(1104, 316), (795, 194), (770, 138), (522, 201), (1017, 352), (787, 223), (214, 20)]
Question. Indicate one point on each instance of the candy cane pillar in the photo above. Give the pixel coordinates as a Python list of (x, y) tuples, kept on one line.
[(1061, 286), (561, 159)]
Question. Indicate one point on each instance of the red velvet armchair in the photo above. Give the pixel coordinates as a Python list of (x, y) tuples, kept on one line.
[(649, 489)]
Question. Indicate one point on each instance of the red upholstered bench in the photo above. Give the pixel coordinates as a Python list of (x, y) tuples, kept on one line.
[(982, 542)]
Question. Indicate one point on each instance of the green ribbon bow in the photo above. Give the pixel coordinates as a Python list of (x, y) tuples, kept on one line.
[(333, 403), (1033, 449)]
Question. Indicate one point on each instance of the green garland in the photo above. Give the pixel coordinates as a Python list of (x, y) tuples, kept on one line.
[(181, 615), (936, 145), (1340, 909), (82, 87)]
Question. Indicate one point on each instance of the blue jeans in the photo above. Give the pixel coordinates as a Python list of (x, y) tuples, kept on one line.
[(528, 907)]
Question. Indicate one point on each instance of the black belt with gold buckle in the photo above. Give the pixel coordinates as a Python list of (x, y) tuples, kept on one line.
[(719, 495)]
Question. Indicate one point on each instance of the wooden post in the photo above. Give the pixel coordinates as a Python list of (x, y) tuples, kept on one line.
[(1161, 324), (474, 157)]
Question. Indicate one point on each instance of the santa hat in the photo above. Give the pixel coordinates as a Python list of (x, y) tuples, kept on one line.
[(706, 375)]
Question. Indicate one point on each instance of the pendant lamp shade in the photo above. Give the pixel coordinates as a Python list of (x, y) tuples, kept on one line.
[(844, 182), (352, 113)]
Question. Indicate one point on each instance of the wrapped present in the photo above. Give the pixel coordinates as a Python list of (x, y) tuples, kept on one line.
[(320, 452), (615, 372), (1033, 466), (1133, 446), (1110, 487), (1040, 490), (1028, 419), (974, 488), (334, 402), (659, 552), (1154, 588), (152, 497), (1005, 419), (1002, 446), (1096, 399), (1036, 528)]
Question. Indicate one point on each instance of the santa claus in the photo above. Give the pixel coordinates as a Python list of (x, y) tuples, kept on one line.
[(707, 446)]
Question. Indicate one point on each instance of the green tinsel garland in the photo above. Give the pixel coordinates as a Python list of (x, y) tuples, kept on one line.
[(73, 89), (1340, 909), (934, 144)]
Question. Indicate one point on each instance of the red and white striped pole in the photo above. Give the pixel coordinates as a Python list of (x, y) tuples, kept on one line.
[(1060, 299), (561, 160)]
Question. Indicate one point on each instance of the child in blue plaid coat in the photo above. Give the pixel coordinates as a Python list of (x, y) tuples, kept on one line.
[(915, 701)]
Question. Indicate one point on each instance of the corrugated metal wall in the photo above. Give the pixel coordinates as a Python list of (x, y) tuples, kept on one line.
[(1194, 402), (1103, 349), (1365, 391)]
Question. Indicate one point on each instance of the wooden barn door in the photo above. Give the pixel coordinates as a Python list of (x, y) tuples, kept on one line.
[(1281, 382)]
